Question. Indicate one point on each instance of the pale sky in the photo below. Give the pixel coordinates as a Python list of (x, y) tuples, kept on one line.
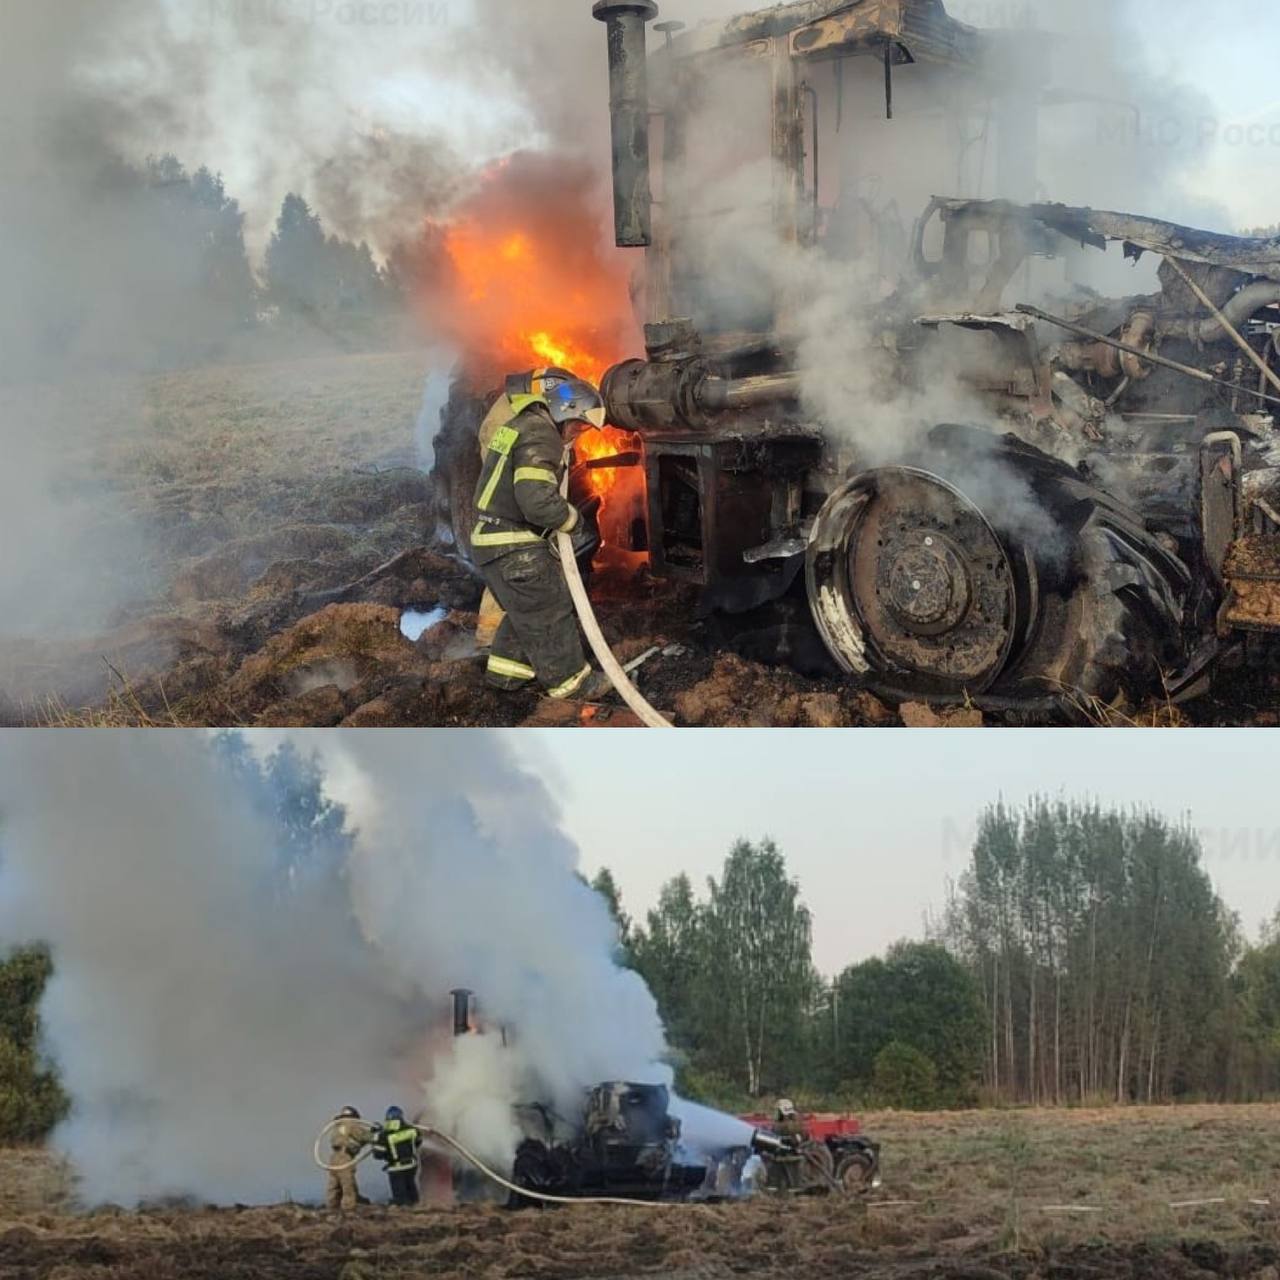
[(1228, 54), (873, 823), (390, 74)]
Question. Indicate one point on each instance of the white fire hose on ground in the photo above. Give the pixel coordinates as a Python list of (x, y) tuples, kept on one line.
[(595, 637), (434, 1135)]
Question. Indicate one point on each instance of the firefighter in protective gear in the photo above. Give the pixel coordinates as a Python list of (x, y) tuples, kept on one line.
[(348, 1137), (519, 510), (397, 1144), (503, 410), (787, 1123), (786, 1172)]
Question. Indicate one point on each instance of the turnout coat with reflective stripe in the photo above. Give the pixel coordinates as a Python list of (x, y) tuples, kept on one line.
[(518, 499), (397, 1147)]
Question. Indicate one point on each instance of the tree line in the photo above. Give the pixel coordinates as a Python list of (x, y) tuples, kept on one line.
[(1109, 969), (168, 280), (1083, 957)]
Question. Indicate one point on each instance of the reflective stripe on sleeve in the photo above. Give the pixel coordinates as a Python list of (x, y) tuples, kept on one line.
[(540, 474)]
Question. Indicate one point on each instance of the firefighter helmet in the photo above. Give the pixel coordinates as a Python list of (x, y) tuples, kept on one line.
[(571, 399), (786, 1109), (531, 382), (348, 1113), (394, 1113)]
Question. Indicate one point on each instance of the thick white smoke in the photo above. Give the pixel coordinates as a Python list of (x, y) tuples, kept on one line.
[(468, 871), (1111, 130), (208, 1018)]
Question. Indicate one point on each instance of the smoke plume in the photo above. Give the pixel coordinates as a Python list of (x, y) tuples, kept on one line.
[(217, 997), (387, 115), (1112, 132)]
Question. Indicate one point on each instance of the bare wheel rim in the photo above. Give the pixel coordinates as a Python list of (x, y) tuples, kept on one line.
[(911, 586)]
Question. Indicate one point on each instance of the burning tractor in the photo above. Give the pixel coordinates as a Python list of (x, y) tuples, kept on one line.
[(627, 1145), (1100, 517)]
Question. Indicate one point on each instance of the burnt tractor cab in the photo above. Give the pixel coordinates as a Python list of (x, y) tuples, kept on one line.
[(1089, 511), (854, 414), (626, 1144)]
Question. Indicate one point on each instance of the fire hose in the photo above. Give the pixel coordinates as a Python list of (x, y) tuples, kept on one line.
[(471, 1158), (342, 1166), (595, 637), (434, 1135)]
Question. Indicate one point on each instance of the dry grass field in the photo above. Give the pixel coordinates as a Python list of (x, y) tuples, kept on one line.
[(975, 1196), (220, 492)]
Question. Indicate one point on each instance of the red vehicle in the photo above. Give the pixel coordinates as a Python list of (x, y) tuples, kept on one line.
[(854, 1159)]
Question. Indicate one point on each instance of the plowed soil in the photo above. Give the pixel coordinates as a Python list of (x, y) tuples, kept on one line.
[(971, 1197)]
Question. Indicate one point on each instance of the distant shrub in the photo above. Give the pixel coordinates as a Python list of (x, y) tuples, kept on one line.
[(713, 1089), (904, 1078), (31, 1099)]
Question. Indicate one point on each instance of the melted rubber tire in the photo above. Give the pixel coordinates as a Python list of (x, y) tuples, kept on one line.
[(1104, 600)]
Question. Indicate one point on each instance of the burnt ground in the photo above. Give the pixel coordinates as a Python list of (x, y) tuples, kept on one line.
[(966, 1197), (269, 496)]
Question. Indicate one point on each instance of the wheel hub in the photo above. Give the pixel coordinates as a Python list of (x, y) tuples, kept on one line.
[(925, 583), (912, 587)]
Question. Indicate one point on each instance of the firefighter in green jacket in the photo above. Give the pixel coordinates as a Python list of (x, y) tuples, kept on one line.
[(519, 511), (787, 1172), (396, 1144)]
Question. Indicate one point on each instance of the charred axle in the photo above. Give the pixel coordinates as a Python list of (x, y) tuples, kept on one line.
[(655, 395)]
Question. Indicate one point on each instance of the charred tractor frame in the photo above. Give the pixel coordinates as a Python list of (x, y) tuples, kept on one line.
[(626, 1144), (1106, 522)]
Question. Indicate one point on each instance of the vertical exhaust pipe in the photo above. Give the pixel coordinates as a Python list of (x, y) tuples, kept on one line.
[(461, 1011), (629, 113)]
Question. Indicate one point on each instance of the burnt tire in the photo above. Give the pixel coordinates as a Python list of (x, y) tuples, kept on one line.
[(533, 1170), (995, 574)]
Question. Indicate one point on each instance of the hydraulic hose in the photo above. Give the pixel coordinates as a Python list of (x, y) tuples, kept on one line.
[(595, 637)]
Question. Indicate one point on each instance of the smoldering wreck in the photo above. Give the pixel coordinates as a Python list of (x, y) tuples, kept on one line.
[(893, 436), (1006, 488)]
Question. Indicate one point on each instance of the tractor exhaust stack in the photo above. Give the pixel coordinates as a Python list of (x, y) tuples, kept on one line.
[(462, 1007), (629, 112)]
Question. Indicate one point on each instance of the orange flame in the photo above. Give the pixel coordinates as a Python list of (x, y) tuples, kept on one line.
[(524, 276), (606, 443)]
